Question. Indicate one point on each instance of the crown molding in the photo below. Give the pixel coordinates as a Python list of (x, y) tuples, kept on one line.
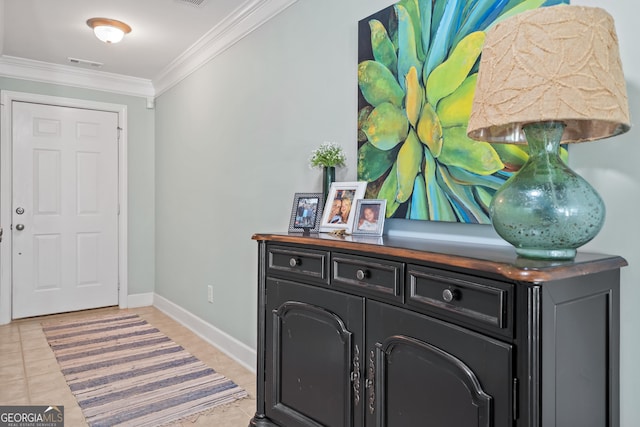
[(241, 22), (45, 72)]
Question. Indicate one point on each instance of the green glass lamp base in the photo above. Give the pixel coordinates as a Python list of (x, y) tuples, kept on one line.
[(546, 210), (546, 253)]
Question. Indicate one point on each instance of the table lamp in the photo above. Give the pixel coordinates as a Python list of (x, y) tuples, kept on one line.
[(547, 77)]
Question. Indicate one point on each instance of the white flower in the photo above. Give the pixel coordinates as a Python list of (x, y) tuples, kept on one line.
[(329, 154)]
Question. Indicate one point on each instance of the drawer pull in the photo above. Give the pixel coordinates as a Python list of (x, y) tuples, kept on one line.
[(450, 294), (362, 274), (294, 262)]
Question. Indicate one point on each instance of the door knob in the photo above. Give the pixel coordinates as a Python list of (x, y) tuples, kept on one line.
[(19, 227)]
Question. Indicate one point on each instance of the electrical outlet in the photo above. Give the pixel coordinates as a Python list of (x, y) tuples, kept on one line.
[(210, 293)]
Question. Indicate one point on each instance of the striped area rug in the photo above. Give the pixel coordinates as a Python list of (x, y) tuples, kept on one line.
[(124, 372)]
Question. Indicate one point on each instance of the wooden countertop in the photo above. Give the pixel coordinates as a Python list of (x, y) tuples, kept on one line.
[(495, 259)]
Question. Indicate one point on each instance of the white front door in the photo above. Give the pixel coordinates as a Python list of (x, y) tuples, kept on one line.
[(64, 209)]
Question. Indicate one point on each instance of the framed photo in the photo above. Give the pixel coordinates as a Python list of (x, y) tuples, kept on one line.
[(339, 208), (306, 212), (369, 216)]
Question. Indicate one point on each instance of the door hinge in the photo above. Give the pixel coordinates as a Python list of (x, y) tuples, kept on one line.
[(515, 399), (119, 132)]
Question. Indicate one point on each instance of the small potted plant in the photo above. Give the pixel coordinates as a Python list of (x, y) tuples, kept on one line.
[(328, 156)]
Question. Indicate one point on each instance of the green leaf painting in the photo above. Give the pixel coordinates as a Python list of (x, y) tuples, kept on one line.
[(417, 68)]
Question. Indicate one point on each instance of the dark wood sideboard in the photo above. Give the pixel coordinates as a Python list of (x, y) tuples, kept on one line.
[(402, 332)]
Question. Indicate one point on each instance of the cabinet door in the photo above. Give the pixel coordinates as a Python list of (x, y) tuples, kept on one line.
[(313, 344), (422, 371)]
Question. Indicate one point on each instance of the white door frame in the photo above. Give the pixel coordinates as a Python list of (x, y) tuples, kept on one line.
[(6, 173)]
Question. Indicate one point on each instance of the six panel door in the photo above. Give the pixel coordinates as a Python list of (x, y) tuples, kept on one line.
[(65, 209)]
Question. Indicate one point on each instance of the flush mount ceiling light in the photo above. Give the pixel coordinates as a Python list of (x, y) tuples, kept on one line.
[(108, 30)]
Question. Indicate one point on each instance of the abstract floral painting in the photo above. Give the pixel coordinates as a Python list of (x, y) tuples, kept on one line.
[(417, 69)]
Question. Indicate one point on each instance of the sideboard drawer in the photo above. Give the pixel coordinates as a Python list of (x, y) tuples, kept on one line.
[(298, 263), (468, 298), (371, 276)]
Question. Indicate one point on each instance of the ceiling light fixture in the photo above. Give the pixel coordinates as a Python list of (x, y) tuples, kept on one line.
[(108, 30)]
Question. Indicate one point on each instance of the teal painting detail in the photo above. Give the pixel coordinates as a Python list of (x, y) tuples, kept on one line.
[(417, 69)]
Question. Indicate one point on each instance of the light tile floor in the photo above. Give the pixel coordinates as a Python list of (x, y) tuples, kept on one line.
[(29, 372)]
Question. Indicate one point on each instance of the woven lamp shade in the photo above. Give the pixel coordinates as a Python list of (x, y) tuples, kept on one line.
[(558, 63)]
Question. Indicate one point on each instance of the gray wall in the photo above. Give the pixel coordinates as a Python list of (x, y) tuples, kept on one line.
[(232, 148), (141, 225)]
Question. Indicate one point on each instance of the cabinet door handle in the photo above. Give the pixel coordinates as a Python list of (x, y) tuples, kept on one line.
[(362, 274), (370, 383), (355, 376), (293, 262)]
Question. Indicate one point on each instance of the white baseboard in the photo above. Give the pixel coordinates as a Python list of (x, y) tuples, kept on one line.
[(238, 351), (139, 300)]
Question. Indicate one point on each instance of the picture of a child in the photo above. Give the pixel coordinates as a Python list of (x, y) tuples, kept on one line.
[(369, 218)]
